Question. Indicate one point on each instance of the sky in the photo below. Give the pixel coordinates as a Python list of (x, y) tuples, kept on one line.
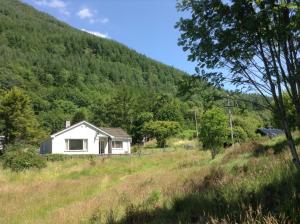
[(146, 26)]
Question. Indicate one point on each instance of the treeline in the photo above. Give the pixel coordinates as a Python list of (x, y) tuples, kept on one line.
[(143, 115)]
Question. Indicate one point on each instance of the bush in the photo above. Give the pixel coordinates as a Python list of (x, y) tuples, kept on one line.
[(19, 160)]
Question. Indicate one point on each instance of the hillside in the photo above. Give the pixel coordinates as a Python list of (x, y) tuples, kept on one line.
[(62, 67), (68, 73), (37, 49), (256, 182)]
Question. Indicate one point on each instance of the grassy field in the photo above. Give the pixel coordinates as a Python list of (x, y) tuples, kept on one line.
[(171, 186)]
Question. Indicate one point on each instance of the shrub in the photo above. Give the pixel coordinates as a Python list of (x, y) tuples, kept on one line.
[(19, 160)]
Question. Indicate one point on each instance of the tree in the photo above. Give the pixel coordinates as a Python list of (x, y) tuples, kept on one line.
[(161, 130), (290, 111), (166, 108), (257, 41), (121, 108), (214, 130), (18, 118), (138, 125), (80, 115)]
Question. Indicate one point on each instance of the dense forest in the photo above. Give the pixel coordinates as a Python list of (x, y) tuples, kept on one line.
[(68, 74)]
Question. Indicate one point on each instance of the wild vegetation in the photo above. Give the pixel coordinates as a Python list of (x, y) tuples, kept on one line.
[(255, 181), (47, 78), (256, 42)]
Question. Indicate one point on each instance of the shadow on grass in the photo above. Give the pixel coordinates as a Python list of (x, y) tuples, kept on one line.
[(277, 148), (279, 200)]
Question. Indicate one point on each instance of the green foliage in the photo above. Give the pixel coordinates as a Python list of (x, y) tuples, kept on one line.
[(257, 43), (166, 109), (121, 108), (138, 125), (80, 115), (67, 69), (18, 118), (187, 134), (69, 74), (22, 159), (214, 129), (290, 113), (161, 130), (239, 134), (245, 126)]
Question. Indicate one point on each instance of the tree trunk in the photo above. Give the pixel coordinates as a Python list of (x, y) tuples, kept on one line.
[(292, 146), (297, 107), (213, 153)]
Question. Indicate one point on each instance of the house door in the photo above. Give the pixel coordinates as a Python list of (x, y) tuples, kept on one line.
[(102, 147)]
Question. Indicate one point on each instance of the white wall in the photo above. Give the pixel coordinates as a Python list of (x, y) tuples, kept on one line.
[(57, 145), (80, 132), (124, 150)]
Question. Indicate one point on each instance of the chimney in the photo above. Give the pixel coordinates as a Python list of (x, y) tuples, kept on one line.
[(68, 124)]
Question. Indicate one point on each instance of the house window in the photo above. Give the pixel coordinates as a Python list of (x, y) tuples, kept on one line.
[(117, 144), (76, 144)]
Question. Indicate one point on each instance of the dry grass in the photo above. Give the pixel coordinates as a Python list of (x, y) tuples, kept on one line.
[(74, 190), (70, 191)]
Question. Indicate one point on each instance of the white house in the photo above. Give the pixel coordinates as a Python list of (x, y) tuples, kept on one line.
[(84, 138)]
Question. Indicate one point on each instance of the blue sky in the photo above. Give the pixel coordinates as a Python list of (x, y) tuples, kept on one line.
[(146, 26)]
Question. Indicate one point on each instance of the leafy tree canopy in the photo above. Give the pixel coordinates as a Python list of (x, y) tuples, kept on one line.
[(20, 122), (161, 130), (258, 43), (214, 130)]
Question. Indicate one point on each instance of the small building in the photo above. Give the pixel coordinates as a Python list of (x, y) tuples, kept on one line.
[(270, 132), (84, 138)]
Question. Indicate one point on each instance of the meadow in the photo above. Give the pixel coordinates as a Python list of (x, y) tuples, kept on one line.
[(252, 181)]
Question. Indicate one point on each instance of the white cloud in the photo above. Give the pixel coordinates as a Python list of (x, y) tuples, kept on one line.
[(56, 4), (85, 13), (96, 33), (104, 21)]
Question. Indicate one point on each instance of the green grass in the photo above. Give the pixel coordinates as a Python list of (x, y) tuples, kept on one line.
[(172, 186)]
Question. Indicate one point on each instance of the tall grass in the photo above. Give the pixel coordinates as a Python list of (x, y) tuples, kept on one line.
[(255, 182), (251, 184)]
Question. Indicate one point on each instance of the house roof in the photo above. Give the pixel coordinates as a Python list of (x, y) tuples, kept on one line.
[(110, 132), (116, 132), (271, 132)]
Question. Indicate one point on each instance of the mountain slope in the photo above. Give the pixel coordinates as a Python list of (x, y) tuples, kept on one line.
[(37, 52), (66, 71)]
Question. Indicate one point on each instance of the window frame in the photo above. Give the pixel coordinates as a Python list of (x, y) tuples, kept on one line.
[(118, 148), (84, 145)]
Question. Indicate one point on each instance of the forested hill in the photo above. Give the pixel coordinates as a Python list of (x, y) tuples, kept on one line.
[(37, 52), (70, 74), (53, 61)]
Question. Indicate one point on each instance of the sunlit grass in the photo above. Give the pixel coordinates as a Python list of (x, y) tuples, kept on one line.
[(73, 190)]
